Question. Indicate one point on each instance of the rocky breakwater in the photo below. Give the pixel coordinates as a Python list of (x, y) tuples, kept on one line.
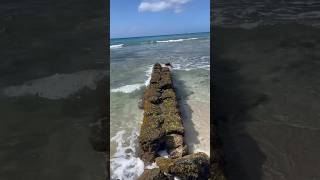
[(162, 130)]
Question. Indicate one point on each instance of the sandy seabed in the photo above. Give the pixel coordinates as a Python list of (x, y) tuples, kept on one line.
[(201, 124)]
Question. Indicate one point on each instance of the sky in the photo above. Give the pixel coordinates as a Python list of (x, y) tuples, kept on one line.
[(136, 18)]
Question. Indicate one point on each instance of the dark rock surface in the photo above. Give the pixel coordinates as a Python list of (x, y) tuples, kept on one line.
[(153, 174), (194, 166)]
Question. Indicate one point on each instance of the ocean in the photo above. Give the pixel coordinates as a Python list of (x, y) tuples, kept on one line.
[(131, 61)]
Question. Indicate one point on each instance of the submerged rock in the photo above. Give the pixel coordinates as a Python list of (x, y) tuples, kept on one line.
[(168, 64)]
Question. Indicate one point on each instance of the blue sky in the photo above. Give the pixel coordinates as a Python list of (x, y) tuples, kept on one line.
[(133, 18)]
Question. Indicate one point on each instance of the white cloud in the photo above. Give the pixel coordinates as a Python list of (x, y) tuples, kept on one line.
[(161, 5)]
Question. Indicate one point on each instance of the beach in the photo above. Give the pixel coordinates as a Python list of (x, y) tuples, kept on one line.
[(131, 67)]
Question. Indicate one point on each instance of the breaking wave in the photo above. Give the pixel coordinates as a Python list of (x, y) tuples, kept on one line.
[(117, 46), (57, 86), (176, 40), (125, 165), (134, 87), (128, 88)]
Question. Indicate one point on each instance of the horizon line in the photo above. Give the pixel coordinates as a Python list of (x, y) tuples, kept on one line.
[(157, 35)]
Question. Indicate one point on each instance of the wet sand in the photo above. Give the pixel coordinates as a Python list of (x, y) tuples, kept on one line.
[(267, 101)]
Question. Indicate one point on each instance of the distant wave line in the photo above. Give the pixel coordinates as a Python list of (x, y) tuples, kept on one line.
[(176, 40), (117, 46)]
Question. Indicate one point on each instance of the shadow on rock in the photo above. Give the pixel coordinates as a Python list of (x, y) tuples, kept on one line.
[(231, 104)]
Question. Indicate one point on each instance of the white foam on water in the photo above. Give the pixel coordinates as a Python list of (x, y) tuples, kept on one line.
[(171, 40), (191, 66), (148, 75), (176, 66), (152, 166), (176, 40), (117, 46), (128, 88), (134, 87), (163, 153), (57, 86), (205, 57), (124, 163)]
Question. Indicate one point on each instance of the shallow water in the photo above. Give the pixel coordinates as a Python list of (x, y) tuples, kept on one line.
[(131, 66)]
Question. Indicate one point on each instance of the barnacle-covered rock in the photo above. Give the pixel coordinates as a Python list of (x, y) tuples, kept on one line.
[(161, 117), (162, 129), (153, 174), (195, 166)]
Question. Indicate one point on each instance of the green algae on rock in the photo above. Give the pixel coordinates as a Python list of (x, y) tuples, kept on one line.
[(153, 174), (194, 166), (162, 129), (162, 119)]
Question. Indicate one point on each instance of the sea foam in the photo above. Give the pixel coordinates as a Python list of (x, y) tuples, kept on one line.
[(185, 64), (128, 88), (117, 46), (134, 87), (148, 75), (57, 86), (176, 40), (124, 163)]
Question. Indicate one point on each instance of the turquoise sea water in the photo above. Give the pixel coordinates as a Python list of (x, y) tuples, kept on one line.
[(131, 58), (130, 68), (153, 39)]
